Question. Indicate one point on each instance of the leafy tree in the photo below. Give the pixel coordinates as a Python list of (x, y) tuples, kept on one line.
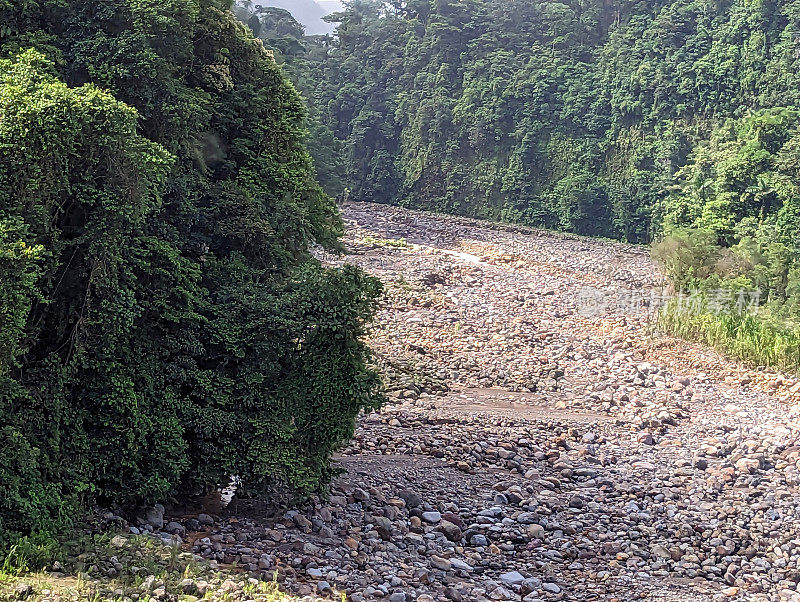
[(164, 324)]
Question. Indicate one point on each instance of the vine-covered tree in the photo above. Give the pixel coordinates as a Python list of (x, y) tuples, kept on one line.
[(163, 324)]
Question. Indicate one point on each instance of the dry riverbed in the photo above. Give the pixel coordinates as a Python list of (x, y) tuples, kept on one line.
[(542, 443)]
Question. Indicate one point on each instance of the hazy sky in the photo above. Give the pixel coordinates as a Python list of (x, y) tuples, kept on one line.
[(308, 12)]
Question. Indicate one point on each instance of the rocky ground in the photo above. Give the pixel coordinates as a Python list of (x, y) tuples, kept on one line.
[(543, 441)]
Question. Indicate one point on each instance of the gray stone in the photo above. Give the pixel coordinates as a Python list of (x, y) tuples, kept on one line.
[(411, 499), (432, 517), (155, 516), (460, 565), (23, 590), (512, 578), (360, 495), (531, 584), (501, 593), (576, 501), (323, 587), (175, 528), (479, 540)]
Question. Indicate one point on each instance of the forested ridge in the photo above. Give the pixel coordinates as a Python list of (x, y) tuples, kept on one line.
[(163, 324), (582, 116)]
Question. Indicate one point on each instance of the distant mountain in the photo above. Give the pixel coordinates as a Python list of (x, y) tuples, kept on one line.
[(309, 13)]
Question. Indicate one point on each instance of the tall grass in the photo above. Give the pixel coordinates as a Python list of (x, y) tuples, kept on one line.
[(29, 553), (758, 339)]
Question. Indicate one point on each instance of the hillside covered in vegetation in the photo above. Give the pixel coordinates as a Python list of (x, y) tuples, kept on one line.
[(672, 121), (596, 117)]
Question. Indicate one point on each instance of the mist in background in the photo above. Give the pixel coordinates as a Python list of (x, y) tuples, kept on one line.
[(308, 12)]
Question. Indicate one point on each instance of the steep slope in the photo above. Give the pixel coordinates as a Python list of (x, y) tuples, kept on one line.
[(569, 115)]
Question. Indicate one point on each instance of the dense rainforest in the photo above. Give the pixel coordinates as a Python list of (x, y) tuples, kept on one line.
[(673, 121), (584, 116), (163, 323)]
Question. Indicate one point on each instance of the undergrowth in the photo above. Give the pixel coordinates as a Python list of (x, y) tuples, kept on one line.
[(400, 243), (105, 567), (761, 340)]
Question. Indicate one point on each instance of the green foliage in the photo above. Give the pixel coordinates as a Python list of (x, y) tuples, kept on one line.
[(732, 219), (742, 181), (163, 323), (758, 340), (400, 243), (577, 116), (738, 195), (30, 504), (77, 185), (19, 272), (284, 36)]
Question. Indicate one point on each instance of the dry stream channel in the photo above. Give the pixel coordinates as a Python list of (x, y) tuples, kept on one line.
[(542, 440)]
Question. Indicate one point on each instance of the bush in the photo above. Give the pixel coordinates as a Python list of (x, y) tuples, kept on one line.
[(28, 503), (76, 184), (759, 340)]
